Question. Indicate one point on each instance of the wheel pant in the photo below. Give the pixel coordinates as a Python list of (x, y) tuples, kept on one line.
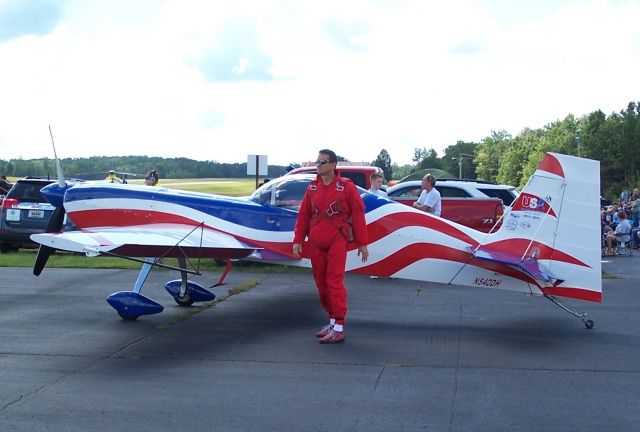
[(328, 264)]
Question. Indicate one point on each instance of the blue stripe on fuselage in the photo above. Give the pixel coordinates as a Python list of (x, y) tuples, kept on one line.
[(236, 210)]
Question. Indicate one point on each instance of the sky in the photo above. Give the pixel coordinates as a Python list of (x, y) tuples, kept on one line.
[(221, 80)]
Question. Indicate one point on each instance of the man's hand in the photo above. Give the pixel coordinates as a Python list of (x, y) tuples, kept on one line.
[(297, 250), (364, 252)]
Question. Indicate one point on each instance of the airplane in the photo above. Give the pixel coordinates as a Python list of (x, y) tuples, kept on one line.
[(549, 242)]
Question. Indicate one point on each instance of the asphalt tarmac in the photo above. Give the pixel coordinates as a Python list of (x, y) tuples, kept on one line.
[(418, 357)]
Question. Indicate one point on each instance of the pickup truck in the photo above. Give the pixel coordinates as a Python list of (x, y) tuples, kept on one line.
[(359, 174), (477, 213), (462, 201)]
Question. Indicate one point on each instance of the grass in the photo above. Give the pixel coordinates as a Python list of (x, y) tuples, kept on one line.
[(229, 187), (27, 257)]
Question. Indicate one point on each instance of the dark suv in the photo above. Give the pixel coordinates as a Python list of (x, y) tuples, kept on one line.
[(24, 212)]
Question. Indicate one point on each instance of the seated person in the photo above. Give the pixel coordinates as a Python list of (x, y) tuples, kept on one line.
[(621, 234)]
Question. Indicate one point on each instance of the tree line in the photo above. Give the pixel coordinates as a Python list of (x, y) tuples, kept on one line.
[(612, 139), (97, 166)]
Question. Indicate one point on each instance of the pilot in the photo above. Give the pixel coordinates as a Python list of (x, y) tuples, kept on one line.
[(330, 211), (112, 177)]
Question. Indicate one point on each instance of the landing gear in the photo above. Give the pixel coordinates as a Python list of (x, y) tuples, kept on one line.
[(131, 305), (185, 300), (589, 324)]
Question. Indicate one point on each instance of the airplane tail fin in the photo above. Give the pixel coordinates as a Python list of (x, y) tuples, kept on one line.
[(552, 231)]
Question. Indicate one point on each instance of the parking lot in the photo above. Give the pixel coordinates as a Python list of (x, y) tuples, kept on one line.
[(417, 357)]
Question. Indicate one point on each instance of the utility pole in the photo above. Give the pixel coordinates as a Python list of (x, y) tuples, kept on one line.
[(460, 159)]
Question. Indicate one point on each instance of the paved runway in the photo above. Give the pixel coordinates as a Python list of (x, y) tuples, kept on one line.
[(418, 357)]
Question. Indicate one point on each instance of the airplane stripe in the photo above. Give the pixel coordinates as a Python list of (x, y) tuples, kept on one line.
[(518, 246), (125, 217), (577, 293), (392, 222), (552, 165), (418, 251)]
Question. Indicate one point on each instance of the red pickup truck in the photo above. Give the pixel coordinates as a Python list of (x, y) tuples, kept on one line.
[(465, 202), (473, 204), (359, 174)]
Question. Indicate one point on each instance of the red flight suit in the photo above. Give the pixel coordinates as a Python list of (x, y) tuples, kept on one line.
[(324, 218)]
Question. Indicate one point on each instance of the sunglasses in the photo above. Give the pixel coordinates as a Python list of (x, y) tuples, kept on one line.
[(321, 162)]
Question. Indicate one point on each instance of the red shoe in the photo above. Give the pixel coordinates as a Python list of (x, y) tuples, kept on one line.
[(332, 337), (324, 331)]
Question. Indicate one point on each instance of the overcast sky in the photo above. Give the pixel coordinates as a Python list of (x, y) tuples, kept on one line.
[(218, 80)]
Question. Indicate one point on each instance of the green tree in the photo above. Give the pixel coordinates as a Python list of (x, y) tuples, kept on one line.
[(383, 161), (489, 153), (429, 159), (457, 154), (510, 170)]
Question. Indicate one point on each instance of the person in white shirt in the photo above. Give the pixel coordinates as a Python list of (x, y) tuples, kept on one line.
[(429, 200), (376, 184), (622, 233)]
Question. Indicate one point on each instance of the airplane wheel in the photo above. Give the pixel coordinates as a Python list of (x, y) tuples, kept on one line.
[(184, 301), (589, 324), (128, 317)]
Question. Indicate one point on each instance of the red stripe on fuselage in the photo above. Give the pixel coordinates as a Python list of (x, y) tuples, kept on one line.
[(518, 246), (418, 251), (125, 217), (395, 221), (577, 293)]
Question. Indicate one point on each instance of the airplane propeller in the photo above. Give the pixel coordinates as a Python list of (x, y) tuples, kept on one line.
[(57, 218)]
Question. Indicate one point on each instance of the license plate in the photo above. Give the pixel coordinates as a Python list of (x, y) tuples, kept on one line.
[(36, 214)]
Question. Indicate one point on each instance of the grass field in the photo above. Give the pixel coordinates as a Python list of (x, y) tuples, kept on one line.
[(220, 186), (27, 257)]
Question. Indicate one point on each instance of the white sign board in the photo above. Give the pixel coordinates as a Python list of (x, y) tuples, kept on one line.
[(261, 162)]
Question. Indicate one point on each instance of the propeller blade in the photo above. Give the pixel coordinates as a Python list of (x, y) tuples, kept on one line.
[(56, 221), (57, 218), (44, 252), (61, 181)]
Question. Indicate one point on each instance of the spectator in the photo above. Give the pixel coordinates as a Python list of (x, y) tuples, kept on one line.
[(429, 200), (621, 234), (624, 196), (5, 186), (376, 184), (635, 215), (152, 178), (112, 177)]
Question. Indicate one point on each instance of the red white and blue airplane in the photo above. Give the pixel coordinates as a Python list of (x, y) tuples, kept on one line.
[(548, 244)]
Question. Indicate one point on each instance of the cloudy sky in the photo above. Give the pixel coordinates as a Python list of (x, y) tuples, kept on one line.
[(218, 80)]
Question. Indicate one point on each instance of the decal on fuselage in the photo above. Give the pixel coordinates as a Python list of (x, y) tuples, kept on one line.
[(488, 282), (529, 202)]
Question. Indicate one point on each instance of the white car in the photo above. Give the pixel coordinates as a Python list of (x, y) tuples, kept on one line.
[(455, 189)]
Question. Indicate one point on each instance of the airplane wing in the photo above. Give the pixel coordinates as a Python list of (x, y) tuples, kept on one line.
[(171, 240)]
